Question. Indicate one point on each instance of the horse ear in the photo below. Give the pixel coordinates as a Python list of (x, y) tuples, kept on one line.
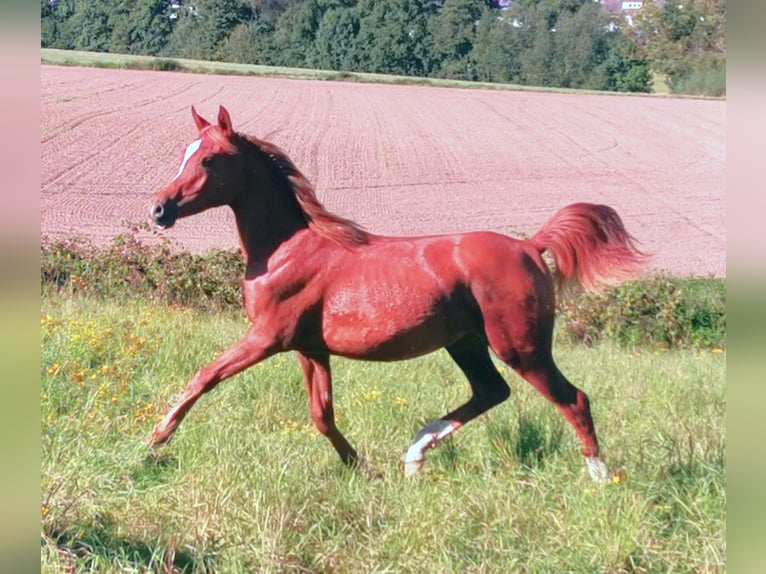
[(224, 121), (200, 122)]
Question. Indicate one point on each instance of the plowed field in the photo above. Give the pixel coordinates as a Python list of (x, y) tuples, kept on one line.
[(398, 159)]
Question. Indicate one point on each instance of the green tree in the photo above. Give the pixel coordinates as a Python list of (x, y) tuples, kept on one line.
[(140, 26), (453, 33), (499, 42), (267, 12), (202, 27), (249, 43), (625, 71), (335, 44), (569, 43), (394, 37), (580, 48), (686, 41), (537, 56), (295, 32), (48, 25), (89, 27)]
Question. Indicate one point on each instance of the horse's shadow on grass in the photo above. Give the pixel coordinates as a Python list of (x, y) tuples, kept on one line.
[(527, 443), (92, 547), (96, 544), (524, 442), (153, 468)]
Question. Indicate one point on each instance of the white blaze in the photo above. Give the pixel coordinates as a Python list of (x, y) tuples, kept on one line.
[(194, 146)]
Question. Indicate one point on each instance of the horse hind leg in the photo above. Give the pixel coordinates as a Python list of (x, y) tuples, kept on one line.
[(316, 372), (527, 350), (489, 389), (573, 404)]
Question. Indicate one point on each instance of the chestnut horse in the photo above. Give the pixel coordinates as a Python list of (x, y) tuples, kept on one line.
[(319, 285)]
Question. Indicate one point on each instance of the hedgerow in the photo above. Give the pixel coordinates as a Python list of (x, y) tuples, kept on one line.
[(656, 310), (660, 310), (130, 269)]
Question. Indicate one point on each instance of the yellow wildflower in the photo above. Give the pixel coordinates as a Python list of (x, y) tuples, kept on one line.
[(401, 402)]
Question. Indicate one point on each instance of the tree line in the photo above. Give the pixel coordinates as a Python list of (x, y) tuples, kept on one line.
[(561, 43)]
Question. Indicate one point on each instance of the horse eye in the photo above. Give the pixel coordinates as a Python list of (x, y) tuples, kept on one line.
[(207, 162)]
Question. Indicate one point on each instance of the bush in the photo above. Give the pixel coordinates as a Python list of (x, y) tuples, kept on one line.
[(672, 312), (706, 76), (131, 269), (164, 65), (667, 311), (702, 82)]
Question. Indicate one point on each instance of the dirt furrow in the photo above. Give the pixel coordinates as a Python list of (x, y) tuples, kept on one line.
[(398, 159)]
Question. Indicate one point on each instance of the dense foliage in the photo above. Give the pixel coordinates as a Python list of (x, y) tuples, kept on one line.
[(686, 42), (663, 311), (562, 43), (130, 269)]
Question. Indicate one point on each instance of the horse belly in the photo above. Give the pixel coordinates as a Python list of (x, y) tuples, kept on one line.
[(387, 322)]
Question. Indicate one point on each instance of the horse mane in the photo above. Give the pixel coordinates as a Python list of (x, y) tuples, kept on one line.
[(338, 229)]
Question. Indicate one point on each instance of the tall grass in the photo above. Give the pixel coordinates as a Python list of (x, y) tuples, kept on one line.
[(247, 484)]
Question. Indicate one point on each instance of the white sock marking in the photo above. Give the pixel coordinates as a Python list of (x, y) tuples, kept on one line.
[(415, 455), (597, 469)]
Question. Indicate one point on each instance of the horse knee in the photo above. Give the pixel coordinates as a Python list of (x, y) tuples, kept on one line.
[(203, 381)]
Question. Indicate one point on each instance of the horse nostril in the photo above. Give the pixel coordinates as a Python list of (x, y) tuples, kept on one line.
[(164, 214), (157, 211)]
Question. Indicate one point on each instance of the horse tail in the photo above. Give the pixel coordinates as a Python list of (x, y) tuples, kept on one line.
[(590, 247)]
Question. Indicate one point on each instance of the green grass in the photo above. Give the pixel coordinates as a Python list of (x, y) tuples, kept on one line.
[(129, 61), (59, 57), (660, 84), (247, 484)]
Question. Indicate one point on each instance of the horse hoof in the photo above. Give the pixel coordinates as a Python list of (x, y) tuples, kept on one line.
[(155, 442), (597, 469), (159, 438), (412, 467)]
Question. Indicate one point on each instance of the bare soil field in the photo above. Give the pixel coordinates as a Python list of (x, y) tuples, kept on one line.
[(400, 160)]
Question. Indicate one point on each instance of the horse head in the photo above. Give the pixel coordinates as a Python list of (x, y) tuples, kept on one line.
[(210, 175)]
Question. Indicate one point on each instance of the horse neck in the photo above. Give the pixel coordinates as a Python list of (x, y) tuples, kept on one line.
[(267, 215)]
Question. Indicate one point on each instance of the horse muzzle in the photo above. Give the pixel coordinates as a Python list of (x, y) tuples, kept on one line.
[(164, 215)]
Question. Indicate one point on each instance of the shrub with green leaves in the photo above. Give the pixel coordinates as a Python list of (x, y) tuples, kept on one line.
[(130, 269), (667, 311)]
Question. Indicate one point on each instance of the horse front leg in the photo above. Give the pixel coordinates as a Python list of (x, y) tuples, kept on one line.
[(316, 372), (245, 353)]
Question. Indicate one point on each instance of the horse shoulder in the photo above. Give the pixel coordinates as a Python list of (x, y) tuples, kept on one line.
[(279, 294)]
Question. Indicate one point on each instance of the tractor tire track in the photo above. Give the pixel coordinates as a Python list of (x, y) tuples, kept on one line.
[(398, 159)]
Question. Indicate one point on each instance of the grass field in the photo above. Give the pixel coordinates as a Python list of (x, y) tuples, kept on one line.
[(108, 60), (247, 484)]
